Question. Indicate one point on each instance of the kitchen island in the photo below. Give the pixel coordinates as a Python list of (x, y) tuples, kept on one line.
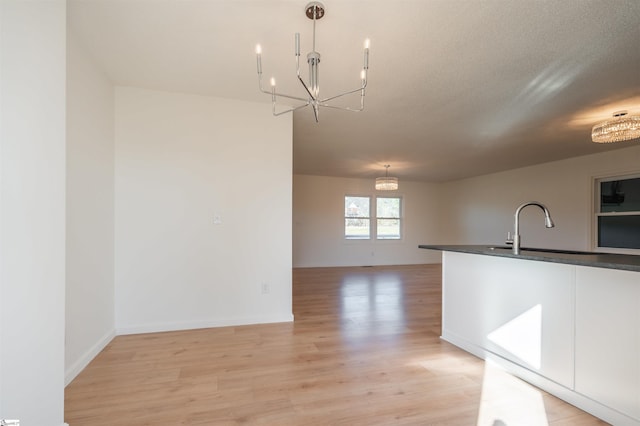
[(565, 321)]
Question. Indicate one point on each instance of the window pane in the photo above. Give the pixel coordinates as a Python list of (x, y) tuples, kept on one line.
[(356, 228), (619, 231), (356, 206), (620, 195), (388, 207), (388, 229)]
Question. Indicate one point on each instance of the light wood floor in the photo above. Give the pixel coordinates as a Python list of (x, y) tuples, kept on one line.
[(364, 350)]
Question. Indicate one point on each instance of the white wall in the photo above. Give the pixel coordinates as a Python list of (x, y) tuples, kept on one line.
[(318, 223), (180, 161), (32, 211), (90, 322), (471, 211), (481, 209)]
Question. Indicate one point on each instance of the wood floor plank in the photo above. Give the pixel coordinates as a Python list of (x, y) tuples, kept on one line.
[(364, 350)]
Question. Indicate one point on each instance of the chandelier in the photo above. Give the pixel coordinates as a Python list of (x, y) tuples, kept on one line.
[(622, 127), (314, 11), (386, 183)]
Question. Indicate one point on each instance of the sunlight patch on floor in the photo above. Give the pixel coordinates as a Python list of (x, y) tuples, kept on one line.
[(507, 400)]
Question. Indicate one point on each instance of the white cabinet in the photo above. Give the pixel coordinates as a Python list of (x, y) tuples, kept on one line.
[(577, 327), (608, 337), (519, 309)]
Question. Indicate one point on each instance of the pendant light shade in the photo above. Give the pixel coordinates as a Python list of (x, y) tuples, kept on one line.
[(386, 183), (621, 128)]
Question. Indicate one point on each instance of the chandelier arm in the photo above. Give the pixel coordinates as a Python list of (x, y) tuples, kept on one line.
[(306, 88), (271, 92), (268, 92), (343, 108), (361, 90), (260, 85), (325, 104), (306, 101), (288, 110)]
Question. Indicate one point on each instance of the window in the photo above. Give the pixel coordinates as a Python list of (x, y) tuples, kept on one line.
[(618, 212), (357, 222), (359, 225), (388, 218)]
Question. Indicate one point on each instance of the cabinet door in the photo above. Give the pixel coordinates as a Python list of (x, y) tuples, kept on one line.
[(519, 309), (608, 337)]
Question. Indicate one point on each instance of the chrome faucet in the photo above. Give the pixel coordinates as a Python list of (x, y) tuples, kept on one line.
[(548, 223)]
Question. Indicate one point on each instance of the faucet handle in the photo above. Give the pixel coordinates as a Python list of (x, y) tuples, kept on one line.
[(509, 239)]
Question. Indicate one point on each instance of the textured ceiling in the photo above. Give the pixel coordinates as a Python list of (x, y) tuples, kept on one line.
[(457, 88)]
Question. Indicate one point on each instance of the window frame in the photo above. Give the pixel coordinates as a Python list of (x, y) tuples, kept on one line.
[(399, 218), (369, 218), (373, 218), (597, 213)]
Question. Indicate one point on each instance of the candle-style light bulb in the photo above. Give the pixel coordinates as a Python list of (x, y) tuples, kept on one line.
[(366, 54), (363, 75), (273, 91), (259, 58)]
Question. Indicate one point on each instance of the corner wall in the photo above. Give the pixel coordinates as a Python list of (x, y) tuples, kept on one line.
[(318, 222), (184, 162), (481, 209), (90, 293), (32, 211)]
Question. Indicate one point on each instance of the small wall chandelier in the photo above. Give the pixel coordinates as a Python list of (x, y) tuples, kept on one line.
[(386, 183), (622, 127), (314, 11)]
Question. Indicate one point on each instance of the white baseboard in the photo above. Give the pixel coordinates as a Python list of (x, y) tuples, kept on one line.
[(87, 357), (191, 325), (90, 354)]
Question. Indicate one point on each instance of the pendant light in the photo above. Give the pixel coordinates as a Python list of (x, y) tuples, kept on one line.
[(386, 183), (314, 11), (621, 128)]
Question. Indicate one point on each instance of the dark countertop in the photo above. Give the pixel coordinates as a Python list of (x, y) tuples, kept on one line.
[(625, 262)]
